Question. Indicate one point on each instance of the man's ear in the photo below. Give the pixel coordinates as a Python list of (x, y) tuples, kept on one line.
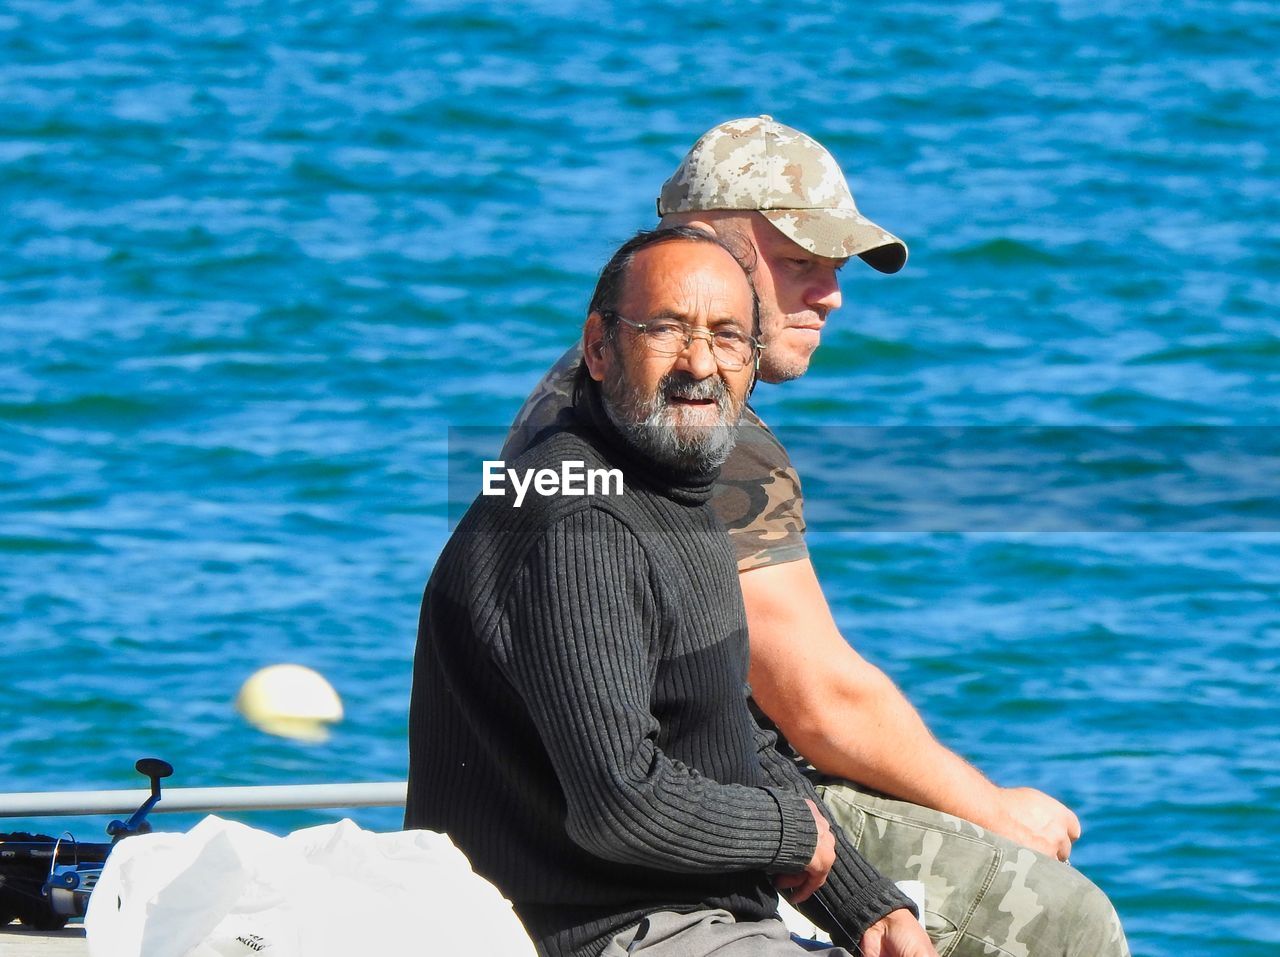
[(701, 221), (595, 349)]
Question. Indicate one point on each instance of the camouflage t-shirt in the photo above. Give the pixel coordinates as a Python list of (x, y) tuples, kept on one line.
[(758, 496)]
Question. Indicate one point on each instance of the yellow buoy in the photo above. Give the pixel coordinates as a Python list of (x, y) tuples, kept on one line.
[(291, 701)]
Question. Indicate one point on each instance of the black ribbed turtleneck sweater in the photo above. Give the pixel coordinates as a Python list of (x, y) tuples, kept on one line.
[(579, 723)]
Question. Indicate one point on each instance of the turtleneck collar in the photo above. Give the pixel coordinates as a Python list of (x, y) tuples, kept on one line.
[(680, 485)]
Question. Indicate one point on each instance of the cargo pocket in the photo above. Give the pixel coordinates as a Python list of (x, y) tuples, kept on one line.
[(957, 869)]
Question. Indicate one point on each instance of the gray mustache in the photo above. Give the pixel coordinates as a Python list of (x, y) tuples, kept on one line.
[(681, 385)]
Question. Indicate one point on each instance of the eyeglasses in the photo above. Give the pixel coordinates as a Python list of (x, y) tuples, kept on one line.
[(730, 347)]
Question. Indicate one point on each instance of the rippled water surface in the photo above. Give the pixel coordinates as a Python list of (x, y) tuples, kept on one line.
[(259, 258)]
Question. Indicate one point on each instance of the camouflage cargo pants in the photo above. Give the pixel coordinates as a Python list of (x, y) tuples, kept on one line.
[(985, 896)]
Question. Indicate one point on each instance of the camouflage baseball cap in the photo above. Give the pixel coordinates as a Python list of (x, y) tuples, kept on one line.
[(790, 179)]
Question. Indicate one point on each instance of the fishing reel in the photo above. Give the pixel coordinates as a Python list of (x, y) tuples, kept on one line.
[(155, 769), (39, 887)]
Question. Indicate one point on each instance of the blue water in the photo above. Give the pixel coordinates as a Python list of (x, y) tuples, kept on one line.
[(260, 257)]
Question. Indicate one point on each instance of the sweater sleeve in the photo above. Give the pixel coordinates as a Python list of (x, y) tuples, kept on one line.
[(855, 894), (581, 629)]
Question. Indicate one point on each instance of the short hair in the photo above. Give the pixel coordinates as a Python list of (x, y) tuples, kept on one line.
[(613, 277)]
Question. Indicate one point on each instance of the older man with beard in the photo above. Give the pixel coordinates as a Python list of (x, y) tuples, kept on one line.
[(579, 723), (992, 858)]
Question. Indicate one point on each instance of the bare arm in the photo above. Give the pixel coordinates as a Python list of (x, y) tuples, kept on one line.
[(850, 720)]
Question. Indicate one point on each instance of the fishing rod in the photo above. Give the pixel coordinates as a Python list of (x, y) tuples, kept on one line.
[(252, 798)]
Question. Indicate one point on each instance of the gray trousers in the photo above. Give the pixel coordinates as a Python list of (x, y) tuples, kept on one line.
[(985, 896), (705, 933)]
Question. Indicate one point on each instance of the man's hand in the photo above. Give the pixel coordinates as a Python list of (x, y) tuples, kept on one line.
[(1038, 821), (897, 934), (800, 886)]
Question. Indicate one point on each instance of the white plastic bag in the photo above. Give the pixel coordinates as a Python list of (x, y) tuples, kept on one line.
[(227, 890)]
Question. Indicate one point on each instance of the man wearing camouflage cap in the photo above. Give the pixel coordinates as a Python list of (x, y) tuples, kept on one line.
[(992, 859)]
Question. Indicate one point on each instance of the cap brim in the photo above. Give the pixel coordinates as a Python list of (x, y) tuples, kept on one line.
[(840, 233)]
